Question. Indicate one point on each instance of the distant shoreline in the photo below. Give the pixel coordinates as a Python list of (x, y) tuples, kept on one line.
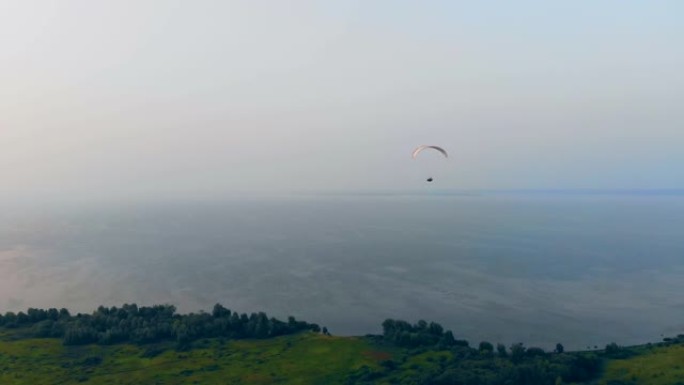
[(490, 192)]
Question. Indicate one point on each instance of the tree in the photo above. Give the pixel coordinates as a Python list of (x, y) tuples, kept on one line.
[(612, 349), (43, 328), (262, 326), (436, 329), (517, 352), (53, 314), (535, 352), (422, 325), (219, 311), (501, 349), (559, 348), (36, 315), (448, 338), (486, 347), (22, 318)]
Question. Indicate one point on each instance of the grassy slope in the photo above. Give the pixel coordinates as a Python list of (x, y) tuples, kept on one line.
[(301, 359), (653, 366)]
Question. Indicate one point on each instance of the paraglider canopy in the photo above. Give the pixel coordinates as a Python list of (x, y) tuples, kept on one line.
[(419, 149)]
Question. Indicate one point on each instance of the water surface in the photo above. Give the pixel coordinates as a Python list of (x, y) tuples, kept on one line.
[(581, 270)]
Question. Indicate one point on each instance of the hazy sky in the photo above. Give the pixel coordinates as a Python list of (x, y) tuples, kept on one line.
[(143, 98)]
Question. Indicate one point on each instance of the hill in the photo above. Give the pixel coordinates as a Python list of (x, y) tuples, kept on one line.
[(153, 345)]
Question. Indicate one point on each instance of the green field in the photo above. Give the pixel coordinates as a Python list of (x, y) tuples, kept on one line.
[(305, 358), (652, 366)]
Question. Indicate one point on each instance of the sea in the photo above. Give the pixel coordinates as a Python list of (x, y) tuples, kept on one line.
[(540, 268)]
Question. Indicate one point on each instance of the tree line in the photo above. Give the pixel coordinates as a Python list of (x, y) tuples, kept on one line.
[(131, 323), (485, 364)]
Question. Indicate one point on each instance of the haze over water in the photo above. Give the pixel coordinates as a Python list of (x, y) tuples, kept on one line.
[(577, 269)]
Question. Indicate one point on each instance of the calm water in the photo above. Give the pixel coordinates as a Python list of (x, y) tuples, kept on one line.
[(582, 270)]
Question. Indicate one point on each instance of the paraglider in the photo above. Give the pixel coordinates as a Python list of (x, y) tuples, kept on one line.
[(420, 149)]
